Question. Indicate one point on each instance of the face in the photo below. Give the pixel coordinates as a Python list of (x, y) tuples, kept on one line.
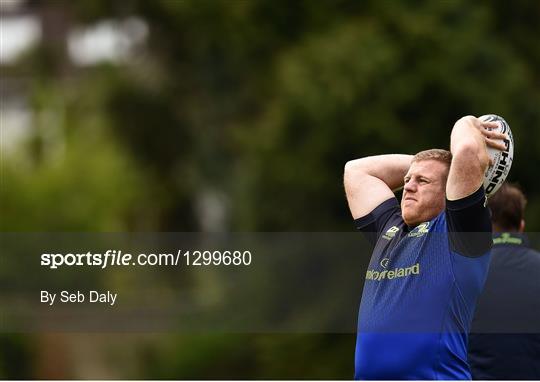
[(424, 191)]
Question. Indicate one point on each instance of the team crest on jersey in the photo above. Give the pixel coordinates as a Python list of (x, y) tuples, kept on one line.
[(389, 235), (506, 238), (419, 230)]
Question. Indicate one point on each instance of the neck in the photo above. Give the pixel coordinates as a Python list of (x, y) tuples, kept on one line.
[(498, 229)]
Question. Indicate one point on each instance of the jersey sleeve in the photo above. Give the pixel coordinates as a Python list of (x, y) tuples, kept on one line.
[(469, 224), (373, 223)]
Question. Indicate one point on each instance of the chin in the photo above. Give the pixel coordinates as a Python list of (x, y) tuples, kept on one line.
[(411, 219), (408, 220), (407, 215), (409, 223)]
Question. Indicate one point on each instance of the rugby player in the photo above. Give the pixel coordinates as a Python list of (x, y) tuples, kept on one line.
[(505, 336), (423, 279)]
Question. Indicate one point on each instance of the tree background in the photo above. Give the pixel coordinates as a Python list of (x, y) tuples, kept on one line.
[(239, 115)]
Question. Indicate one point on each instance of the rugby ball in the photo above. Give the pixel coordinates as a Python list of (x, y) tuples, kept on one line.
[(502, 160)]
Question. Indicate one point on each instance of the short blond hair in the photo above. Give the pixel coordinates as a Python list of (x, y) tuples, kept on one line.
[(439, 155)]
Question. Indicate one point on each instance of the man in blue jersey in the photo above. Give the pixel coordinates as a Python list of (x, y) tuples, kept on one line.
[(423, 279), (505, 336)]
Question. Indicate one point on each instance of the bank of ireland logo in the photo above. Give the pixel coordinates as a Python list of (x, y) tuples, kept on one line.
[(389, 235), (390, 272), (420, 230)]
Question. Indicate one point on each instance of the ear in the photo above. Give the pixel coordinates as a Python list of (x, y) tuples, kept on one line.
[(522, 225)]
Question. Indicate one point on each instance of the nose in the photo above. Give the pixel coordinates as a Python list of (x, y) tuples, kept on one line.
[(410, 186)]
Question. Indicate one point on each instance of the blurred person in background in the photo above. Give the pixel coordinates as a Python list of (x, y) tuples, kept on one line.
[(505, 337)]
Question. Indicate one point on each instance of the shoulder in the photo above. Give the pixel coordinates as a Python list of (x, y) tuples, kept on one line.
[(469, 224), (389, 209), (534, 257), (477, 198), (385, 218)]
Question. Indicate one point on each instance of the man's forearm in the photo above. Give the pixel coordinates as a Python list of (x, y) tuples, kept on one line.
[(390, 168)]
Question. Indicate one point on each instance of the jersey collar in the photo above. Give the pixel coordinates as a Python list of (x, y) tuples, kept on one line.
[(510, 238)]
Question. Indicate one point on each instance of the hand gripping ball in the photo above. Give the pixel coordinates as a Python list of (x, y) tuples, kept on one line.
[(502, 160)]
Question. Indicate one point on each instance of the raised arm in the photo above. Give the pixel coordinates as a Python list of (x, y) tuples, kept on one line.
[(468, 143), (370, 181)]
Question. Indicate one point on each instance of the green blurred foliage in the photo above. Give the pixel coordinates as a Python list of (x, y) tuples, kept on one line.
[(261, 103), (227, 356), (16, 357)]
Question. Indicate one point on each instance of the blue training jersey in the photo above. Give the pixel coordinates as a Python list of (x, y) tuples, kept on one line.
[(420, 291)]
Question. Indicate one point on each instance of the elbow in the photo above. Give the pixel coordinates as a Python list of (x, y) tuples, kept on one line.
[(352, 169), (467, 142), (348, 167), (347, 171)]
